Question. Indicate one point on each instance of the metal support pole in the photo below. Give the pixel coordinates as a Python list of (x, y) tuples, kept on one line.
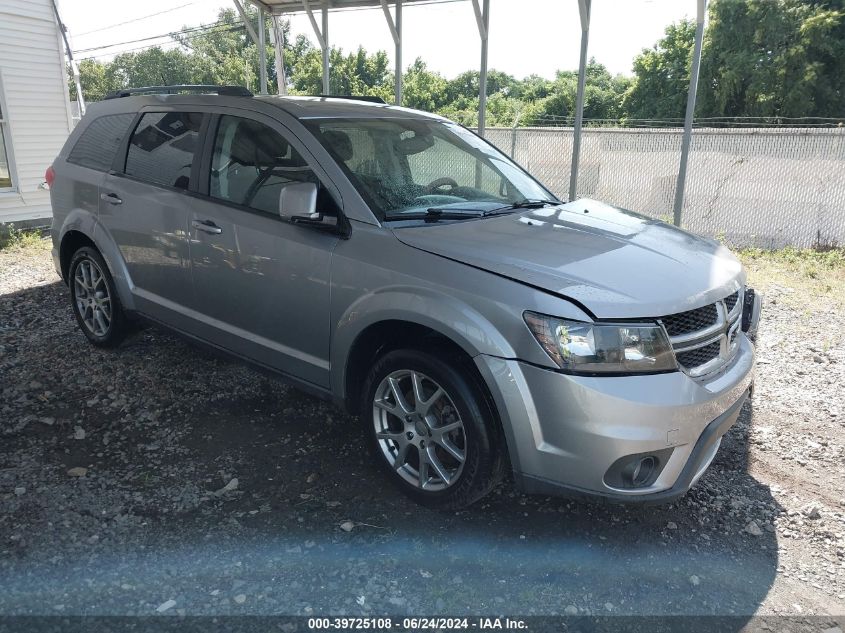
[(247, 24), (584, 10), (399, 68), (396, 33), (279, 50), (513, 133), (326, 49), (262, 53), (693, 88), (322, 38), (482, 17), (74, 67)]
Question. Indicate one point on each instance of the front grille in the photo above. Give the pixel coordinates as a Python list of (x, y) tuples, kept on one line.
[(691, 334), (699, 356), (690, 321)]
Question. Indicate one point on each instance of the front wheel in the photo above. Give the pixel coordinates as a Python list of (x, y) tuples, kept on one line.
[(431, 429), (94, 299)]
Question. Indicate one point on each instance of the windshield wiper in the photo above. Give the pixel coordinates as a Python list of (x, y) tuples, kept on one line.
[(434, 214), (522, 204), (461, 213)]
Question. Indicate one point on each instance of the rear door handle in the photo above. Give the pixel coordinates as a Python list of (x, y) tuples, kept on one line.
[(111, 198), (206, 226)]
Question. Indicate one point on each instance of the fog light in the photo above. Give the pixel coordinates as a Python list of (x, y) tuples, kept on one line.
[(642, 471), (637, 471)]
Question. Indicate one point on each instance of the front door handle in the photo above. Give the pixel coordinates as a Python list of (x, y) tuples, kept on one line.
[(111, 198), (206, 226)]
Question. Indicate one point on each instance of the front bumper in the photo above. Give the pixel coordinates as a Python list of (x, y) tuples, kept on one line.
[(564, 432)]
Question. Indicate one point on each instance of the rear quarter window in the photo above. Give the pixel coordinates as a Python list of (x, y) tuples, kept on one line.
[(163, 147), (98, 144)]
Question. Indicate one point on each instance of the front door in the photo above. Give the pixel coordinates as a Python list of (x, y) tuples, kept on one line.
[(261, 284)]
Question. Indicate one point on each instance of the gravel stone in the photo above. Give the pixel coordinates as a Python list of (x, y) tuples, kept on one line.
[(753, 529), (166, 606)]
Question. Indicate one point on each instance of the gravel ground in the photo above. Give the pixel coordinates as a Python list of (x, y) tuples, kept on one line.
[(160, 479)]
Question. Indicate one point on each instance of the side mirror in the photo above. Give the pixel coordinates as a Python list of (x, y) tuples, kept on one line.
[(298, 201)]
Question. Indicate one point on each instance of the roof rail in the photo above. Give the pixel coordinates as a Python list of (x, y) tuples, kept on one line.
[(370, 98), (229, 91)]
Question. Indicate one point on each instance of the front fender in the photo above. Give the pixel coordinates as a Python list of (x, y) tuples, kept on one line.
[(444, 314)]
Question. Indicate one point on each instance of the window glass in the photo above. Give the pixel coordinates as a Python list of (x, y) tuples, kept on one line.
[(444, 159), (5, 170), (409, 165), (99, 141), (252, 163), (163, 146)]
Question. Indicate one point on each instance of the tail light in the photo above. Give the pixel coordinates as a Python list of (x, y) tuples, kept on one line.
[(50, 176)]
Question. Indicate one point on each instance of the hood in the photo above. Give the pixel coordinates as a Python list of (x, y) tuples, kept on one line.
[(616, 263)]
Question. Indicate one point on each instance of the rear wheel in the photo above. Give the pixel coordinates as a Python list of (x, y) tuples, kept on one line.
[(431, 429), (94, 299)]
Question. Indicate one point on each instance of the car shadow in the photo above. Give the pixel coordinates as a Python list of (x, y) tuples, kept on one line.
[(312, 526)]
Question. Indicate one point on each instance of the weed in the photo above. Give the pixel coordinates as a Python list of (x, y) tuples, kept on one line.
[(15, 238)]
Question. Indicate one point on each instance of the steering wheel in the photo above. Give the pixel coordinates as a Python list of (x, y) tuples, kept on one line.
[(434, 185)]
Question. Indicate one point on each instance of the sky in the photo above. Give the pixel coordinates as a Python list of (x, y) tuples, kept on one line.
[(526, 36)]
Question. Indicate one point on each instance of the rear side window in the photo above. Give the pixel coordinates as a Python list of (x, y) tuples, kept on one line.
[(99, 141), (163, 148)]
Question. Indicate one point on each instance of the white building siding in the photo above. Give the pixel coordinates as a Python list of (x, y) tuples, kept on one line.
[(34, 97)]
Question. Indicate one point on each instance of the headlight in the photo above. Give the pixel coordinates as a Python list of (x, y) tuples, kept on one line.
[(602, 348)]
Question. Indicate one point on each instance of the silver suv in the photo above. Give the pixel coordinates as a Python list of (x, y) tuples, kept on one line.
[(396, 263)]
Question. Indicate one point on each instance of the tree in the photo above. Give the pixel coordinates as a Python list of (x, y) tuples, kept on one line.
[(467, 85), (225, 53), (92, 75), (774, 58), (358, 73), (661, 76), (602, 96), (422, 88)]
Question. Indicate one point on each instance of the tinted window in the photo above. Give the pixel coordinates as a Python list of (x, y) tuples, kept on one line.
[(99, 141), (252, 163), (163, 146)]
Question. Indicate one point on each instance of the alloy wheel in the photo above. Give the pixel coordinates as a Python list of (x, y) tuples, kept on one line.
[(419, 430), (92, 298)]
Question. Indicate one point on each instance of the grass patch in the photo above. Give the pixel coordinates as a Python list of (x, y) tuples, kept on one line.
[(809, 260), (13, 238), (809, 274)]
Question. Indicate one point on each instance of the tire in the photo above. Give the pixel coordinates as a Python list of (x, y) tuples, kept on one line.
[(456, 429), (94, 299)]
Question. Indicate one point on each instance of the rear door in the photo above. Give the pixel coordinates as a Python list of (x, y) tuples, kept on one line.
[(261, 283), (145, 203)]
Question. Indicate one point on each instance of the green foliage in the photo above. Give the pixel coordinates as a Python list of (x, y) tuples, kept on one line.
[(661, 76), (808, 258), (354, 74), (12, 237), (774, 58), (422, 88)]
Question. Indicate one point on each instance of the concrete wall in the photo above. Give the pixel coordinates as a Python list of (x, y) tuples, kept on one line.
[(755, 187)]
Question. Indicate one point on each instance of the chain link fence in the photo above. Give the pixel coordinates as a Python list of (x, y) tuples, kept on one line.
[(766, 187)]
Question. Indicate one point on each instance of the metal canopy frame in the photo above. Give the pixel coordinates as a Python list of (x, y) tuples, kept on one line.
[(277, 8)]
